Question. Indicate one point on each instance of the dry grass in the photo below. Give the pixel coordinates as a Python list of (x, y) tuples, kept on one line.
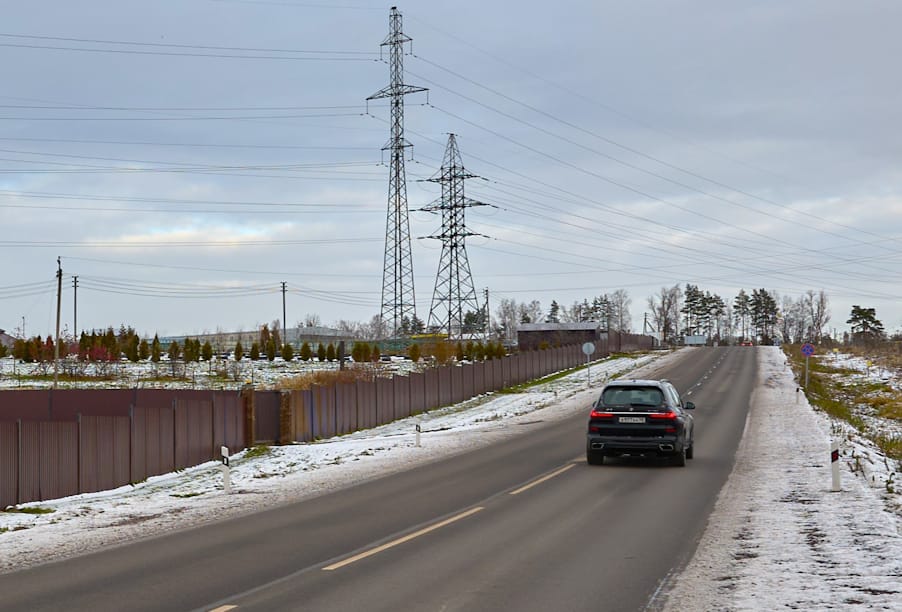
[(827, 391), (327, 378)]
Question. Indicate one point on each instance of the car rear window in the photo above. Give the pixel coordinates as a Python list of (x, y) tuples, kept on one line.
[(633, 397)]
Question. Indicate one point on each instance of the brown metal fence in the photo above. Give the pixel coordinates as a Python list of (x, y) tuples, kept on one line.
[(59, 443), (323, 412)]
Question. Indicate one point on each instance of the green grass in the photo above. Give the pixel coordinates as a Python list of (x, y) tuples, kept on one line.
[(890, 445), (257, 451), (31, 510)]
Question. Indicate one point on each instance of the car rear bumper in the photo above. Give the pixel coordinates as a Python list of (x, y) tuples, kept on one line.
[(657, 445)]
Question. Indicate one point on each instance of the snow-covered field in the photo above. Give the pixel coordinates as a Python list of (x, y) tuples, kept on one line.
[(214, 374), (778, 539)]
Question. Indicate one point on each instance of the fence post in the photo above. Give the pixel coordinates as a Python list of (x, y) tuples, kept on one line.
[(78, 452), (250, 419), (19, 461)]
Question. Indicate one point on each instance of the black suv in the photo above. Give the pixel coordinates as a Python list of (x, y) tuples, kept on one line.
[(640, 417)]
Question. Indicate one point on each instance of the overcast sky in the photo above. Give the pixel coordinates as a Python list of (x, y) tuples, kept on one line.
[(186, 157)]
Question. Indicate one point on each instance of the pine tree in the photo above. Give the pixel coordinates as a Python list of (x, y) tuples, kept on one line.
[(175, 351), (375, 354), (239, 351), (459, 354), (255, 351), (207, 351), (155, 350), (143, 350), (306, 352), (287, 352), (271, 349), (330, 352), (321, 353)]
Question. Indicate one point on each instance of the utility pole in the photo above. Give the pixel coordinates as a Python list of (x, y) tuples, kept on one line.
[(59, 307), (487, 318), (398, 298), (75, 307), (284, 328)]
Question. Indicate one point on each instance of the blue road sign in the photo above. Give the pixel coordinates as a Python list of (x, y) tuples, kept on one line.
[(808, 349)]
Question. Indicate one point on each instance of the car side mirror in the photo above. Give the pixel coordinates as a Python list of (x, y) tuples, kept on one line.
[(689, 406)]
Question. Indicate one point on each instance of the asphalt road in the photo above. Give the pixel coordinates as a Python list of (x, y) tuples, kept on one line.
[(522, 525)]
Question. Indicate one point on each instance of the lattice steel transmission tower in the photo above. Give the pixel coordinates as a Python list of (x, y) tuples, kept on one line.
[(398, 300), (454, 297)]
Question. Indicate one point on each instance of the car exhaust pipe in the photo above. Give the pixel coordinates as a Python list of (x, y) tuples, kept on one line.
[(666, 447), (597, 445)]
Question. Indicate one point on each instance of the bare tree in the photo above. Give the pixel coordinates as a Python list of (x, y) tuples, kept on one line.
[(818, 312), (665, 308), (312, 320), (621, 320), (508, 317)]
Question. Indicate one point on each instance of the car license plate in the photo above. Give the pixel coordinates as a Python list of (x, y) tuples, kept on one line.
[(632, 419)]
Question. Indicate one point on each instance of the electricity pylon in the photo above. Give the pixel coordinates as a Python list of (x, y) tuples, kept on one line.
[(454, 296), (398, 300)]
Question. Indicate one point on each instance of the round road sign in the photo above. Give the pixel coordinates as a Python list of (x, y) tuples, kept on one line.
[(808, 349), (588, 348)]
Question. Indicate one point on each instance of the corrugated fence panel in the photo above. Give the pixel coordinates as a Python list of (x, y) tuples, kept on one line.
[(444, 385), (9, 464), (385, 405), (200, 431), (431, 388), (506, 375), (59, 459), (267, 409), (104, 460), (497, 374), (301, 428), (366, 404), (467, 385), (401, 393), (457, 384), (417, 392), (323, 412), (479, 386), (30, 466), (346, 407), (139, 444)]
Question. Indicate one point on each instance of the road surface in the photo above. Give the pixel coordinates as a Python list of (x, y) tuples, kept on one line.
[(522, 525)]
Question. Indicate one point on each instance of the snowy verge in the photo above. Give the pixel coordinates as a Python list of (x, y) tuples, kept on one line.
[(84, 523), (779, 538)]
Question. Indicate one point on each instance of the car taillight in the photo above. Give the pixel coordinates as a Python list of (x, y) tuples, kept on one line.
[(600, 415), (668, 416)]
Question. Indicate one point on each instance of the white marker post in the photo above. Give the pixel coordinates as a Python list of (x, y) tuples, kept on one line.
[(834, 464), (588, 350), (226, 479)]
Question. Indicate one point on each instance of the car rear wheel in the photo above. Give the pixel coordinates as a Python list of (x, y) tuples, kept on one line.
[(594, 458), (679, 459), (690, 451)]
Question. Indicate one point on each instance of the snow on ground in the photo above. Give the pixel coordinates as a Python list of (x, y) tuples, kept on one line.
[(778, 538)]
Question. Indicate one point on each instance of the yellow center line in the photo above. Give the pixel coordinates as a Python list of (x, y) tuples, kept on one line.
[(542, 479), (407, 538)]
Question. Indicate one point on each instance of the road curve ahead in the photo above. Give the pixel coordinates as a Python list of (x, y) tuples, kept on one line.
[(522, 525)]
